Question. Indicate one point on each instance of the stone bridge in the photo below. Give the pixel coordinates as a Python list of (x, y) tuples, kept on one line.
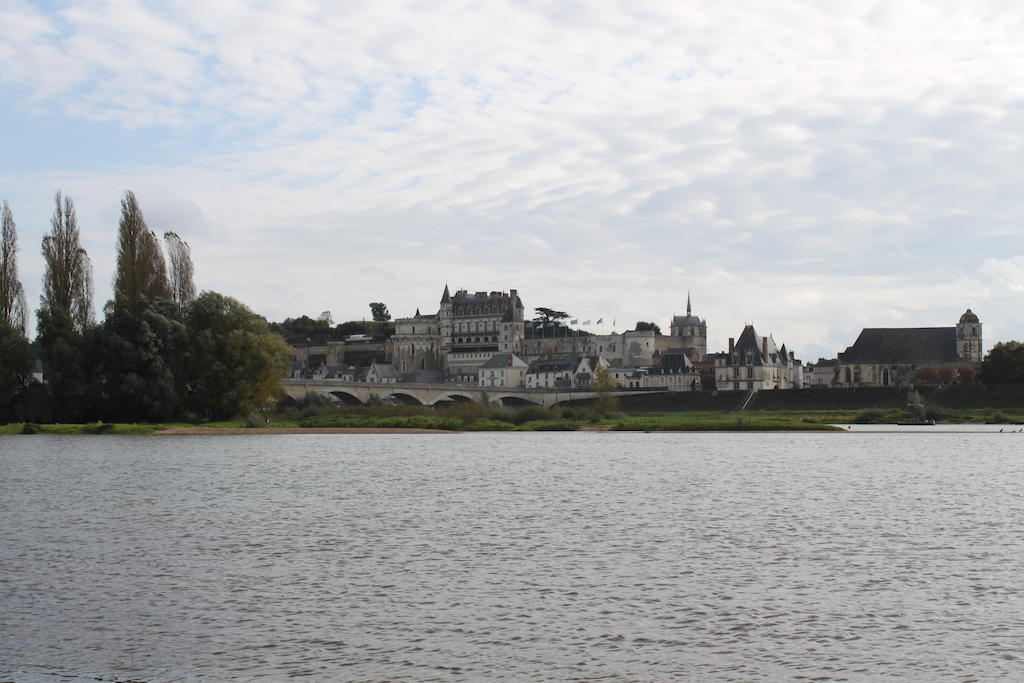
[(355, 393)]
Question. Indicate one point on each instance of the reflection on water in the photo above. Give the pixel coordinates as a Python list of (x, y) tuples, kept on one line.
[(638, 556)]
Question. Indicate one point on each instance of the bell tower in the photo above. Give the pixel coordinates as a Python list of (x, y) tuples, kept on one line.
[(968, 338)]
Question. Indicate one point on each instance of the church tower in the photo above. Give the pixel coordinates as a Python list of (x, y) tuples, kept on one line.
[(693, 331), (968, 338)]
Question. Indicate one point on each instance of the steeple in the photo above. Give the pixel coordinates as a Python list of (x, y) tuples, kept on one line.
[(688, 312), (446, 297)]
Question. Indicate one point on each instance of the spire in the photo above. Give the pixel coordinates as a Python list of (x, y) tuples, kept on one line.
[(446, 297), (688, 313), (417, 312)]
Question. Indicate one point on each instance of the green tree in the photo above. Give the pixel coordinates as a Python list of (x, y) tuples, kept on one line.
[(549, 315), (643, 327), (181, 284), (1003, 364), (604, 385), (15, 371), (136, 354), (379, 312), (141, 271), (235, 362), (67, 284), (12, 294), (63, 350)]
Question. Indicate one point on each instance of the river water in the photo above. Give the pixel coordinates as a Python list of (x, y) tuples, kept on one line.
[(517, 556)]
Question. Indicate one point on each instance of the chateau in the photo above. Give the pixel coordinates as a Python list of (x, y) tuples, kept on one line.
[(484, 338)]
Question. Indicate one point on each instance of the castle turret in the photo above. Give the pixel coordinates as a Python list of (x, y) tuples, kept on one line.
[(968, 338)]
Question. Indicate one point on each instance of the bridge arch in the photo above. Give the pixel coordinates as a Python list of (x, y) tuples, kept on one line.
[(346, 397), (403, 398), (516, 401)]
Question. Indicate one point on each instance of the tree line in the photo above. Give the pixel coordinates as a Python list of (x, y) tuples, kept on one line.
[(160, 352)]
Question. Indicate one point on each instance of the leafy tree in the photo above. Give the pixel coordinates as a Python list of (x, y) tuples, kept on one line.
[(235, 362), (15, 371), (67, 284), (12, 294), (182, 287), (326, 318), (136, 353), (64, 355), (604, 385), (351, 327), (643, 327), (141, 271), (549, 315), (379, 312), (1004, 364), (967, 375)]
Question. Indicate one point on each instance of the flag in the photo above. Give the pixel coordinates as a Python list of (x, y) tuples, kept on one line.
[(600, 320), (586, 322), (574, 321)]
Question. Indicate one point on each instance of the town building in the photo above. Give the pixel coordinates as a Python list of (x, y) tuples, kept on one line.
[(755, 363), (891, 356), (674, 371), (503, 370)]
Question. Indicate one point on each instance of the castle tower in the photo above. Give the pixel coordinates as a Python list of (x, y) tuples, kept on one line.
[(444, 317), (693, 331), (510, 328), (968, 338)]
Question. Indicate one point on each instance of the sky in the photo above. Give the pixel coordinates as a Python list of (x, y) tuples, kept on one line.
[(810, 167)]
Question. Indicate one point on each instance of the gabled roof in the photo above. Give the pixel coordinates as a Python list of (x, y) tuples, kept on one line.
[(751, 346), (385, 370), (903, 345), (504, 360)]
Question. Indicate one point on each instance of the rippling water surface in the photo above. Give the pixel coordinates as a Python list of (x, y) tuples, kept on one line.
[(524, 556)]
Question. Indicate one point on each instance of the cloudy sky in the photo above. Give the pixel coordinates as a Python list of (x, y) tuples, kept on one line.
[(813, 167)]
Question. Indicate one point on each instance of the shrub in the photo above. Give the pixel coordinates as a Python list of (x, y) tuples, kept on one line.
[(530, 414), (30, 428), (98, 428), (999, 418), (870, 416)]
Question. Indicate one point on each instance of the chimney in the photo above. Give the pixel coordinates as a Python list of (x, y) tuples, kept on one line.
[(731, 343), (512, 293), (764, 347)]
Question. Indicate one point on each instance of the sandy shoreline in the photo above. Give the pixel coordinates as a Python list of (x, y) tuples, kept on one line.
[(297, 430)]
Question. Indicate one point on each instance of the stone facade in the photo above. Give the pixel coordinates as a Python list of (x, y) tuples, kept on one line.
[(755, 364), (891, 356), (692, 333), (465, 333)]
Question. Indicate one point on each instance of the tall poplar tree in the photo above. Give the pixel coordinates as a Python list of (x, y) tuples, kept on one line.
[(183, 289), (67, 284), (141, 271), (12, 294), (65, 313)]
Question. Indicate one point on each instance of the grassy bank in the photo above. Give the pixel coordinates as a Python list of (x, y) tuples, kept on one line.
[(472, 417), (87, 428)]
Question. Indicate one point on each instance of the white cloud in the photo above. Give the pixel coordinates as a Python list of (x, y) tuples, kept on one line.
[(819, 168)]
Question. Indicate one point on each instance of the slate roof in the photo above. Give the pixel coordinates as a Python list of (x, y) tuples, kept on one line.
[(546, 365), (674, 362), (504, 360), (386, 370), (903, 345), (748, 346)]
